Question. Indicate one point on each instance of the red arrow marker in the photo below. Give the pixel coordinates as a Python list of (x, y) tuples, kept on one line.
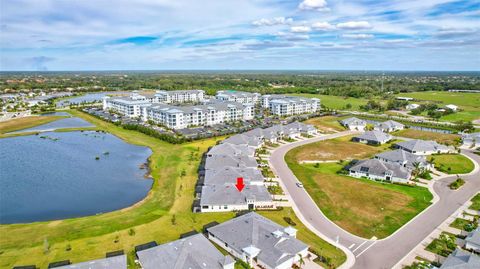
[(240, 184)]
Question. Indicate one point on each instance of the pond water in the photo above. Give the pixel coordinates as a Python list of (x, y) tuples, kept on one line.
[(87, 98), (57, 175), (71, 122)]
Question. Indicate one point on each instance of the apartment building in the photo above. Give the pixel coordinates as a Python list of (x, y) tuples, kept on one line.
[(131, 106), (238, 96), (290, 105), (182, 96)]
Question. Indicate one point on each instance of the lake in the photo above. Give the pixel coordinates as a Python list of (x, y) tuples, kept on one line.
[(57, 175), (87, 98)]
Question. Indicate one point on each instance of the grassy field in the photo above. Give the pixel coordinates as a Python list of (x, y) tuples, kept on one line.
[(360, 206), (162, 216), (452, 163), (326, 124), (468, 102), (336, 102), (25, 122), (475, 202), (447, 139), (337, 149)]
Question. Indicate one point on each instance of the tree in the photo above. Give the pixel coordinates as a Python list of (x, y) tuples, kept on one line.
[(301, 262)]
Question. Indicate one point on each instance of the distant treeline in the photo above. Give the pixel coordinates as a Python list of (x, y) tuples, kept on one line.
[(351, 84)]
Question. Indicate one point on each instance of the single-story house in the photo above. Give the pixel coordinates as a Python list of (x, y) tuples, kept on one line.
[(187, 253), (412, 106), (404, 98), (376, 169), (389, 126), (472, 242), (119, 262), (354, 123), (373, 138), (241, 139), (452, 107), (461, 259), (423, 147), (264, 134), (471, 140), (232, 150), (303, 128), (253, 238), (404, 158)]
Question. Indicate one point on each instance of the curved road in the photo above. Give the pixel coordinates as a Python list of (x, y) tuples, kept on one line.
[(372, 254)]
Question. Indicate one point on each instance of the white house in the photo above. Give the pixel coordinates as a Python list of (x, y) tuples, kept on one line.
[(412, 106), (424, 147), (354, 124), (373, 138), (452, 107), (389, 126), (376, 169), (257, 240)]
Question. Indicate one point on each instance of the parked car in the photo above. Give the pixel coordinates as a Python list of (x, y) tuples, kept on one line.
[(300, 185)]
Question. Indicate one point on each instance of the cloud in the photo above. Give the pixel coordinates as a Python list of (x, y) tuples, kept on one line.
[(354, 25), (274, 21), (38, 62), (455, 32), (319, 5), (322, 26), (358, 36), (137, 40), (300, 29)]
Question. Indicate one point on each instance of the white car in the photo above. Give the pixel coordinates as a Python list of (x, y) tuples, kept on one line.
[(300, 185)]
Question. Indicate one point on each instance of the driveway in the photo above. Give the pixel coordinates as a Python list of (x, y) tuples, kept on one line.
[(371, 253)]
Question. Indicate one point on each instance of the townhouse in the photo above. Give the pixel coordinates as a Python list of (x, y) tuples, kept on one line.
[(354, 124), (461, 259), (190, 252), (290, 105), (424, 147), (257, 240), (238, 96)]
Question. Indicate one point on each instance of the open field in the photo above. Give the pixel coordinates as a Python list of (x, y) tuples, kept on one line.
[(326, 124), (452, 163), (468, 102), (162, 216), (447, 139), (337, 149), (360, 206), (25, 122), (335, 102)]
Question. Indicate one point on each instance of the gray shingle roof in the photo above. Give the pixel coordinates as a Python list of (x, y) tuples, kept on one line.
[(379, 168), (216, 161), (116, 262), (403, 157), (241, 139), (389, 124), (418, 145), (461, 259), (188, 253), (353, 121), (474, 237), (254, 230), (232, 150), (376, 136)]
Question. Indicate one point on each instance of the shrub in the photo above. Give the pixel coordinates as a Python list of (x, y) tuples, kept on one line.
[(289, 221)]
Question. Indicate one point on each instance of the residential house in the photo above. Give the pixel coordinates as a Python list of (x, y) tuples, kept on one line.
[(461, 259), (376, 169), (454, 108), (404, 158), (471, 140), (389, 126), (290, 105), (423, 147), (472, 242), (241, 139), (412, 106), (187, 253), (256, 239), (117, 262), (373, 138), (354, 124)]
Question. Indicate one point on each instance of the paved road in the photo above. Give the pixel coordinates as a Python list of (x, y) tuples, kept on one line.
[(372, 254)]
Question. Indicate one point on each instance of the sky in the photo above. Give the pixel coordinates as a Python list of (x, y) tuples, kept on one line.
[(385, 35)]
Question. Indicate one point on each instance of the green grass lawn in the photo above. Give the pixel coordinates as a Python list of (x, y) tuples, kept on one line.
[(327, 124), (475, 202), (463, 224), (447, 139), (336, 102), (360, 206), (444, 245), (452, 163), (468, 102), (162, 216), (25, 122)]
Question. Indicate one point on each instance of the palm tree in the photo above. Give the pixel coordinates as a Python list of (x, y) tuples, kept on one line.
[(417, 169), (301, 262)]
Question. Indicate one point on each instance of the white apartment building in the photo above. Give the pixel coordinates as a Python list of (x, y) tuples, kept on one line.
[(132, 106), (238, 96), (186, 96), (290, 105)]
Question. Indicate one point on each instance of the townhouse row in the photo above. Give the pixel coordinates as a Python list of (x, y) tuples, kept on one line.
[(235, 158)]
